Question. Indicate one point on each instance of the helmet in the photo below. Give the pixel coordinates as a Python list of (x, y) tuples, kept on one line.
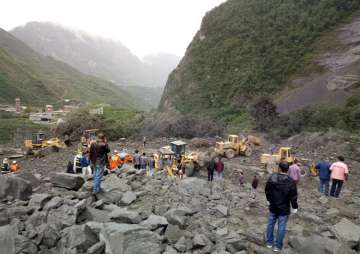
[(14, 162)]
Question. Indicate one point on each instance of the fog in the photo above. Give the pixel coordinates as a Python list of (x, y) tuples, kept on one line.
[(144, 26)]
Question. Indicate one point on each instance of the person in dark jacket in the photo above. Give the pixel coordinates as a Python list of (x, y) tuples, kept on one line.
[(211, 168), (323, 168), (281, 192), (99, 159), (254, 185), (137, 160), (220, 168)]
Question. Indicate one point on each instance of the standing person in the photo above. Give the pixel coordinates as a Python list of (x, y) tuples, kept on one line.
[(220, 168), (254, 185), (137, 160), (144, 141), (281, 191), (339, 174), (241, 179), (295, 171), (323, 168), (151, 165), (211, 168), (5, 166), (99, 159), (14, 167), (143, 162)]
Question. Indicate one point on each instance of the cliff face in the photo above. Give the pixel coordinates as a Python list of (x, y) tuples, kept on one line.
[(246, 49)]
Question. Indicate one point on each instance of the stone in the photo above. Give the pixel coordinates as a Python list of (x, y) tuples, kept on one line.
[(181, 245), (20, 211), (14, 186), (38, 201), (50, 235), (235, 244), (223, 210), (128, 198), (79, 237), (112, 182), (311, 217), (112, 196), (348, 231), (200, 241), (97, 248), (65, 215), (177, 216), (170, 250), (34, 181), (193, 186), (125, 216), (37, 219), (99, 204), (7, 239), (154, 222), (129, 239), (24, 245), (67, 181), (54, 203), (93, 214), (317, 245), (173, 233)]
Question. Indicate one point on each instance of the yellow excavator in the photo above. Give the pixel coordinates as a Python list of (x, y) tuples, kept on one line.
[(236, 145), (39, 142)]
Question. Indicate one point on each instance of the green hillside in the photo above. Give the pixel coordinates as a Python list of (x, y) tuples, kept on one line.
[(247, 49), (38, 80)]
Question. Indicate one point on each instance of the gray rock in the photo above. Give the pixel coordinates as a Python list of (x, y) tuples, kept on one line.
[(65, 215), (50, 235), (99, 204), (128, 198), (317, 245), (37, 219), (311, 217), (125, 216), (38, 201), (111, 196), (154, 222), (112, 182), (79, 237), (200, 241), (54, 203), (15, 187), (34, 181), (24, 245), (68, 181), (97, 248), (20, 211), (129, 239), (235, 244), (348, 231), (193, 186), (7, 239), (92, 214), (173, 233), (181, 245), (223, 210), (170, 250), (177, 216)]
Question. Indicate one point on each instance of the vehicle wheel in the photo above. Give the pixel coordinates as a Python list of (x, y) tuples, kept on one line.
[(230, 153), (189, 169), (248, 151)]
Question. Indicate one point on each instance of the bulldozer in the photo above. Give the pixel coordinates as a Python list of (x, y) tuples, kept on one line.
[(39, 143), (86, 138), (174, 158), (236, 145), (271, 161)]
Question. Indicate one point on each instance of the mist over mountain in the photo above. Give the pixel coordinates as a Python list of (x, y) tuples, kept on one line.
[(104, 58)]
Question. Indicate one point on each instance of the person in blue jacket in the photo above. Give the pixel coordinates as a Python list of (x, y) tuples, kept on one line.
[(324, 174)]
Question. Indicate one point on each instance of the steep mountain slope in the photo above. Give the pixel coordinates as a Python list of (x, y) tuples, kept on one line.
[(38, 79), (103, 58), (246, 49)]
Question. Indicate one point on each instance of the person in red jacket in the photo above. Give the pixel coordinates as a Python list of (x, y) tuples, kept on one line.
[(219, 168)]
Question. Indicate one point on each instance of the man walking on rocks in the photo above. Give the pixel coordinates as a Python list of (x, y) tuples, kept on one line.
[(99, 159), (324, 175), (137, 160), (281, 191), (211, 168), (339, 174), (219, 168)]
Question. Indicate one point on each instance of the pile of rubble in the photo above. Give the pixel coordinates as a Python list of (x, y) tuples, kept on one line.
[(140, 214)]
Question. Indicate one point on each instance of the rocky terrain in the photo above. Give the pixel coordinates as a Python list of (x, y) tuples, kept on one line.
[(46, 211)]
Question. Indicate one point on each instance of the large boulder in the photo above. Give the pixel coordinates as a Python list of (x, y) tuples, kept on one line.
[(128, 198), (65, 215), (34, 181), (24, 245), (68, 181), (54, 203), (125, 216), (177, 216), (7, 239), (15, 186), (49, 234), (79, 237), (193, 186), (110, 196), (38, 201), (154, 222), (348, 231), (129, 239)]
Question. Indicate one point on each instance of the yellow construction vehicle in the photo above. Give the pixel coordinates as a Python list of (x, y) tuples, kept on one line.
[(174, 159), (236, 146), (39, 142)]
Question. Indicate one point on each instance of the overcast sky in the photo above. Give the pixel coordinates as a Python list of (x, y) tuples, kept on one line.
[(144, 26)]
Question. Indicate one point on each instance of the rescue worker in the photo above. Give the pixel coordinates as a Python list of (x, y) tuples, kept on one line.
[(295, 171), (14, 167), (114, 161), (5, 165), (323, 168), (220, 168), (339, 174), (281, 191), (99, 160), (254, 185), (77, 163), (137, 160), (211, 168), (143, 162)]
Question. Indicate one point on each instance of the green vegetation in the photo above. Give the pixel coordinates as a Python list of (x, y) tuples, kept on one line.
[(38, 80), (246, 49)]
